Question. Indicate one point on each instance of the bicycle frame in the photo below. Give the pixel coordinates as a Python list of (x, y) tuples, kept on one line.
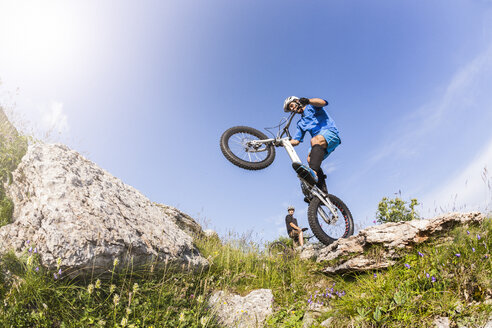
[(281, 141)]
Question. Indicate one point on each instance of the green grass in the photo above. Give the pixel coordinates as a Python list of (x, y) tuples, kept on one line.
[(11, 152)]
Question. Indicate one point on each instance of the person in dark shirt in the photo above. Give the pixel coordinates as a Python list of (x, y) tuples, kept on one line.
[(293, 229)]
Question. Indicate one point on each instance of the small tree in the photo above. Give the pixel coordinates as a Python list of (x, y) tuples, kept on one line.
[(396, 210)]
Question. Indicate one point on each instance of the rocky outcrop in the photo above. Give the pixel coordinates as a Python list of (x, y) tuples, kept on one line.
[(378, 247), (70, 209), (182, 220), (249, 311)]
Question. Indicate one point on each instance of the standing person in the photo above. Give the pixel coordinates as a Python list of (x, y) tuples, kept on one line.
[(324, 135), (293, 229)]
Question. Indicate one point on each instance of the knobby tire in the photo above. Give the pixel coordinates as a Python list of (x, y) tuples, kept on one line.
[(315, 225), (242, 163)]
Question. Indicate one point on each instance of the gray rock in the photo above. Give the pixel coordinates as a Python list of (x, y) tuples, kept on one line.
[(182, 220), (327, 322), (235, 311), (310, 251), (210, 233), (441, 322), (377, 247), (70, 209)]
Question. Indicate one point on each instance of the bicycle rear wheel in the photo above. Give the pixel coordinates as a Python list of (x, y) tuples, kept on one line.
[(326, 232), (239, 147), (277, 248)]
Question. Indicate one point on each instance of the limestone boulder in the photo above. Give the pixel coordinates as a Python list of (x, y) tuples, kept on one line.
[(377, 247), (237, 311), (68, 208)]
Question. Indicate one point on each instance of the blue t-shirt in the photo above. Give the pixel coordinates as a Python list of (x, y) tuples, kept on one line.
[(313, 120)]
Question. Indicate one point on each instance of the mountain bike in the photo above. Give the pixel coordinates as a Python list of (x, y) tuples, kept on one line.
[(250, 149)]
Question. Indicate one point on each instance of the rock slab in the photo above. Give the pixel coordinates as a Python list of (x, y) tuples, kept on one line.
[(70, 209), (249, 311), (377, 247)]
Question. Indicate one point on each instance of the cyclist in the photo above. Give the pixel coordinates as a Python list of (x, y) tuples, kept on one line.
[(293, 229), (324, 136)]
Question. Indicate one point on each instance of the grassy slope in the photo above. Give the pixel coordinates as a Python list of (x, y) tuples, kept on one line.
[(418, 288), (438, 283)]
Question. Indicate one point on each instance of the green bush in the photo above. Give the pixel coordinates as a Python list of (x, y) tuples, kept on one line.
[(12, 149), (396, 210)]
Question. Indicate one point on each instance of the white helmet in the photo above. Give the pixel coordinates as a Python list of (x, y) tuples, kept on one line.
[(287, 101), (291, 208)]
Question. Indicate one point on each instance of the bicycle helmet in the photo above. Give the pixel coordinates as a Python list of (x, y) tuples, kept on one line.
[(291, 208), (287, 101)]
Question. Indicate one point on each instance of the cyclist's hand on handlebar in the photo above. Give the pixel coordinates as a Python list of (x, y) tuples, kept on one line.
[(304, 101)]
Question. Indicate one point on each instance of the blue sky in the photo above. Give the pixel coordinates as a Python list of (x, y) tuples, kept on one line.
[(146, 89)]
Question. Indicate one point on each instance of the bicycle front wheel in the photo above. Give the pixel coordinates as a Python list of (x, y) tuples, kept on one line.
[(241, 147), (328, 232)]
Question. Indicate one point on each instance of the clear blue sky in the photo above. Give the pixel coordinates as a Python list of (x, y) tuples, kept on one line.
[(145, 89)]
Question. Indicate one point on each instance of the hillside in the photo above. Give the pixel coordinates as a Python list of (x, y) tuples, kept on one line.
[(82, 249)]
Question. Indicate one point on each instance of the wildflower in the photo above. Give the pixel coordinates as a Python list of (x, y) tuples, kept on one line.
[(407, 265), (467, 232), (35, 250), (59, 272), (45, 306), (473, 249), (128, 311), (374, 221), (116, 299), (478, 237), (192, 296), (124, 321), (55, 276), (182, 317), (204, 321), (27, 242), (375, 275), (115, 262), (135, 288), (457, 254), (433, 279), (199, 299), (112, 288), (421, 255), (90, 289), (58, 262), (37, 269), (29, 260), (427, 275), (30, 249), (98, 284)]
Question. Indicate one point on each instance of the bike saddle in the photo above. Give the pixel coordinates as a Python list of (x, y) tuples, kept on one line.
[(305, 172)]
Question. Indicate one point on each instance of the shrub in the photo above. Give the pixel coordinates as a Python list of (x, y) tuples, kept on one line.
[(396, 210)]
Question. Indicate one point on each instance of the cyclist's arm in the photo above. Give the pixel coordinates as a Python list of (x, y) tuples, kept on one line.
[(298, 137), (294, 226), (318, 102)]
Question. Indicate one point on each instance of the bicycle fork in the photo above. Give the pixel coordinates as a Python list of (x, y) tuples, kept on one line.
[(315, 191)]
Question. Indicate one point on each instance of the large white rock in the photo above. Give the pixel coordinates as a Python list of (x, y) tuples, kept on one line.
[(354, 253), (71, 209)]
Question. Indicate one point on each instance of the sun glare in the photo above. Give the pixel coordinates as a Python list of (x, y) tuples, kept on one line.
[(37, 35)]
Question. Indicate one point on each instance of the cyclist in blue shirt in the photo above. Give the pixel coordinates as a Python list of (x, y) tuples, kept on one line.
[(324, 133)]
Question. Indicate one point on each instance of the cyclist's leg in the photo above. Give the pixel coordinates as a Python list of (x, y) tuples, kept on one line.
[(322, 145)]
